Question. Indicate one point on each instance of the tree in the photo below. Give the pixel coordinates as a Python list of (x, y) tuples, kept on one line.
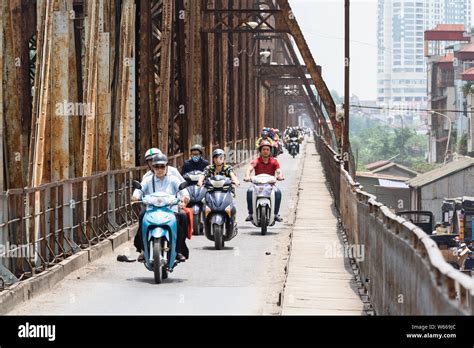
[(372, 141)]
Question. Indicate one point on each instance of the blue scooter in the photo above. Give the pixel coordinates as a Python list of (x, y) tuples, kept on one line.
[(159, 233)]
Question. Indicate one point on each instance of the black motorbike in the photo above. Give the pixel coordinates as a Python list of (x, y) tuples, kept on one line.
[(197, 195), (293, 147), (220, 221)]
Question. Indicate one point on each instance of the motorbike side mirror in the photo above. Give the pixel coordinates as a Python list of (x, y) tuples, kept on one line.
[(136, 185), (183, 185)]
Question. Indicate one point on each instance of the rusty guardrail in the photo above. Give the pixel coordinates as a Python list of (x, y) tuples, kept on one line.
[(402, 268), (42, 226)]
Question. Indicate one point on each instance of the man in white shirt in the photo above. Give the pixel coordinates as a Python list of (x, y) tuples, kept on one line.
[(161, 181), (171, 170)]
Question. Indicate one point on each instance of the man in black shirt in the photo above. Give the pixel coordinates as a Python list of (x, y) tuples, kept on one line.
[(196, 162)]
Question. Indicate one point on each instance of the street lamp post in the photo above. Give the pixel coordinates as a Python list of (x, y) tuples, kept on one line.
[(347, 46), (449, 134), (403, 139)]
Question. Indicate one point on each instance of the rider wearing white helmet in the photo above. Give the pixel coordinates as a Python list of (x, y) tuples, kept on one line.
[(171, 170)]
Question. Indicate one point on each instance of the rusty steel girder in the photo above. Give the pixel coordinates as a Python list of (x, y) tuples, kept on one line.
[(321, 87), (170, 84), (269, 71), (242, 20)]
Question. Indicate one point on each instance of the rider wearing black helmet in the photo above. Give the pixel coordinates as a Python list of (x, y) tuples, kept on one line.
[(196, 162)]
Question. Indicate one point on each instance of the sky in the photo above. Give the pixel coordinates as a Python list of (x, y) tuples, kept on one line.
[(322, 23)]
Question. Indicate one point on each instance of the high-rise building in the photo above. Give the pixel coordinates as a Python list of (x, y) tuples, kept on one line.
[(401, 65)]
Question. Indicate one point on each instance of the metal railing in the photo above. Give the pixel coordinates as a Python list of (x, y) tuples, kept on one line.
[(46, 224), (402, 268), (41, 226)]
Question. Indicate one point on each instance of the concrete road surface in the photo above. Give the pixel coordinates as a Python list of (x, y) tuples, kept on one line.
[(241, 279)]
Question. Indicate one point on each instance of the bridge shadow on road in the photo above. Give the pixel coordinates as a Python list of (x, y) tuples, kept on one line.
[(214, 249), (150, 280), (258, 233)]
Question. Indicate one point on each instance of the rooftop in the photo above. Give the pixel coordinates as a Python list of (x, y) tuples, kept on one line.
[(399, 166), (437, 174), (378, 164), (381, 176)]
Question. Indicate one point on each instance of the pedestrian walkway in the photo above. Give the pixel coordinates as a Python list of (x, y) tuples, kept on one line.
[(320, 280)]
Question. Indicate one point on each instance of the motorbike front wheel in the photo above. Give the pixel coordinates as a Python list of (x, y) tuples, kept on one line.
[(263, 220), (158, 268), (218, 237), (196, 224)]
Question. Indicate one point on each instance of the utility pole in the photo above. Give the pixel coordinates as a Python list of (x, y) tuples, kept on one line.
[(345, 132)]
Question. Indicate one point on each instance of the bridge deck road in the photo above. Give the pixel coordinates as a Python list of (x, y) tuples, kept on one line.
[(241, 279)]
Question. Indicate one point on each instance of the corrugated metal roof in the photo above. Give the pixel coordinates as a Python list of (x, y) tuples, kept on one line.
[(449, 58), (399, 166), (378, 164), (381, 176), (449, 27), (467, 48), (468, 75), (392, 184), (434, 175)]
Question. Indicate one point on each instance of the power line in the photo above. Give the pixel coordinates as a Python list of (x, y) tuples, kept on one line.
[(408, 109)]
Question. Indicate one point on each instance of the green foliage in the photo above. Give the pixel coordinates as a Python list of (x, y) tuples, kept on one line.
[(466, 88), (373, 141), (462, 145)]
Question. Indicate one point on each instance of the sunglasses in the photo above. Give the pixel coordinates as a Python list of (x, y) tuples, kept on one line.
[(159, 167)]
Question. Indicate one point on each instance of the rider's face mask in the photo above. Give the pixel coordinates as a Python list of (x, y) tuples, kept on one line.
[(196, 158)]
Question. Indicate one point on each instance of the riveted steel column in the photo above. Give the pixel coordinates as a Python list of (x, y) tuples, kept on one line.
[(145, 79), (12, 94), (2, 163), (165, 74)]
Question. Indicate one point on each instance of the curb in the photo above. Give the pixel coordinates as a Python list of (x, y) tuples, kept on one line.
[(290, 243), (44, 282)]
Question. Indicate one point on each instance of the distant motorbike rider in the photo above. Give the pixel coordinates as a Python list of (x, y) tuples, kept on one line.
[(294, 133), (196, 162), (264, 164), (162, 181), (265, 136), (278, 141), (219, 168)]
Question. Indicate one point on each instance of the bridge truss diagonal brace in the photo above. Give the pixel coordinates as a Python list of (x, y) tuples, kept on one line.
[(321, 87)]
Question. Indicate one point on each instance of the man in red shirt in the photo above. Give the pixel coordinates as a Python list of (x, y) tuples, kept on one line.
[(264, 164)]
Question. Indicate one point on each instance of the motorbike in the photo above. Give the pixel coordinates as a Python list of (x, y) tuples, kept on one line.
[(277, 149), (197, 196), (220, 223), (465, 258), (293, 146), (159, 233), (263, 198)]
